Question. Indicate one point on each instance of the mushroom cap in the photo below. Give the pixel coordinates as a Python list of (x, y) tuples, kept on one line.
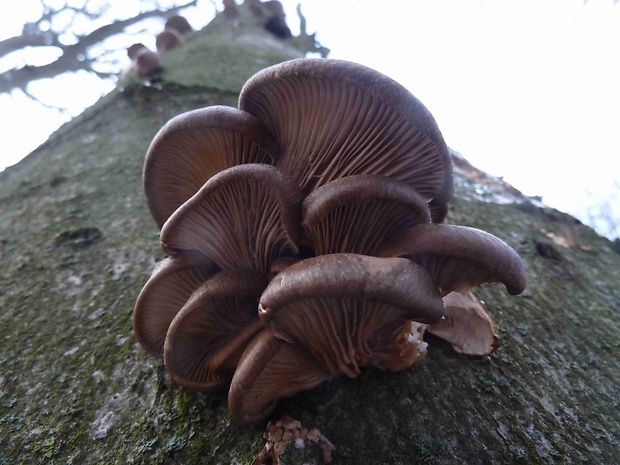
[(207, 337), (336, 305), (357, 214), (460, 257), (172, 282), (179, 23), (269, 370), (467, 325), (242, 218), (336, 118), (193, 146), (135, 49), (168, 39)]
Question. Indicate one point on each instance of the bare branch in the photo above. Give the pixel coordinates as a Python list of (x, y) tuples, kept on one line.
[(72, 57)]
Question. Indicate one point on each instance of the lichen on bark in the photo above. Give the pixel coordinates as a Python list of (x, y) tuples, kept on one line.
[(77, 244)]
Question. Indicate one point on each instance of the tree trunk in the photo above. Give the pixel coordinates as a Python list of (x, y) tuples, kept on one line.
[(77, 244)]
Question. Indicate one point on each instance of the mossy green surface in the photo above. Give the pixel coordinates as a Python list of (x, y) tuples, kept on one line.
[(77, 244)]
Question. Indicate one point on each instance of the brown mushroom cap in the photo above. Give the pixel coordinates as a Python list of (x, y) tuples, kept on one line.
[(269, 370), (335, 305), (467, 325), (164, 294), (168, 39), (193, 146), (335, 118), (208, 336), (179, 23), (242, 218), (460, 257), (357, 214)]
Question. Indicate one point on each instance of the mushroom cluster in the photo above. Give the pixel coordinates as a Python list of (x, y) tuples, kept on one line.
[(146, 62), (305, 240)]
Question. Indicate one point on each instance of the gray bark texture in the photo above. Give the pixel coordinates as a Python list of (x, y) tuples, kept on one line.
[(77, 244)]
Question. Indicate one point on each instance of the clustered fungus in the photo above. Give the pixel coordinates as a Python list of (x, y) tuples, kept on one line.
[(305, 240), (148, 63)]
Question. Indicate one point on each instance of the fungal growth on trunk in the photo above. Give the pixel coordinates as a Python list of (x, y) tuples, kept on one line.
[(304, 238)]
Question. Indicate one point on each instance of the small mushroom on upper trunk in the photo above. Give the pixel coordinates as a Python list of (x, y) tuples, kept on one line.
[(146, 62)]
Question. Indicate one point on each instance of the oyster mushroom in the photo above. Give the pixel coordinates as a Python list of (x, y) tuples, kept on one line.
[(179, 23), (244, 217), (358, 121), (146, 62), (357, 214), (192, 147), (270, 369), (340, 306), (460, 257), (172, 282), (168, 39), (208, 335)]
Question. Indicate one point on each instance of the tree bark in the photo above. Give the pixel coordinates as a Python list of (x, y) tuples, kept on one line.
[(77, 244)]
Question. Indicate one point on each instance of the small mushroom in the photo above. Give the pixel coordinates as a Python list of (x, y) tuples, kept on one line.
[(194, 146), (460, 257), (244, 217), (340, 305), (146, 62), (178, 23), (335, 118), (357, 214), (164, 294), (208, 335), (270, 369), (168, 39), (467, 325)]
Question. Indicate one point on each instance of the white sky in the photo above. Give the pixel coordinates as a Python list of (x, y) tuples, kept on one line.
[(524, 89)]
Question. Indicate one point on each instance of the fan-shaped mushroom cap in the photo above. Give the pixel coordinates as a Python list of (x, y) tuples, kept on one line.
[(208, 336), (337, 304), (269, 370), (467, 325), (357, 214), (459, 257), (192, 147), (242, 218), (335, 118), (164, 294)]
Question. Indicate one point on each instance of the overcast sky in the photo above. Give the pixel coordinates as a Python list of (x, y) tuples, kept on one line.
[(528, 89)]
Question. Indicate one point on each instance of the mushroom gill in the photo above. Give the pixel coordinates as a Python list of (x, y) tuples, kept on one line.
[(270, 369), (172, 282), (242, 218), (460, 257), (358, 121), (336, 304), (357, 214), (208, 335), (192, 147)]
